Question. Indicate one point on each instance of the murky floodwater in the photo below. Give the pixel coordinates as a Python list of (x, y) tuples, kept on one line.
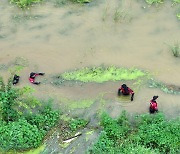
[(123, 33)]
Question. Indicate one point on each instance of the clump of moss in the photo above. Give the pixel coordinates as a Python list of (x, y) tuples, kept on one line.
[(102, 74), (170, 89)]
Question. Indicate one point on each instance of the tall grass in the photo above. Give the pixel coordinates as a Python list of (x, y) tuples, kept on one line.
[(175, 49)]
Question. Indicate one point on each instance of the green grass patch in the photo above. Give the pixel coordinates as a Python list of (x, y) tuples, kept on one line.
[(102, 74), (24, 3)]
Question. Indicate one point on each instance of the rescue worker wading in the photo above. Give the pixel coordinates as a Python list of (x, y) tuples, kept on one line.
[(126, 91), (153, 105)]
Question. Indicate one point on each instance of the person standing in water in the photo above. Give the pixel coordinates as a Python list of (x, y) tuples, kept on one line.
[(153, 105)]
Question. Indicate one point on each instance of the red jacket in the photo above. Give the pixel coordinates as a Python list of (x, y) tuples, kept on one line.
[(153, 105), (129, 91)]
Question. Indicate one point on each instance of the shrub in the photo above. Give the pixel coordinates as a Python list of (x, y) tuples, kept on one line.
[(157, 133), (19, 135), (45, 119), (8, 99), (148, 134), (22, 129)]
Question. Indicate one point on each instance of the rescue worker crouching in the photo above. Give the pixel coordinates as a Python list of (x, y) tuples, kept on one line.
[(33, 76)]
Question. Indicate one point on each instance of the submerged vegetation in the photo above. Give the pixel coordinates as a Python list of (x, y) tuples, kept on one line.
[(27, 3), (24, 3), (102, 74), (81, 1), (146, 134), (171, 89)]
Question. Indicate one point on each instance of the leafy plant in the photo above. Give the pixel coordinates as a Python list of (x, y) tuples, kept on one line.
[(45, 119), (8, 99), (19, 135), (77, 123), (145, 134)]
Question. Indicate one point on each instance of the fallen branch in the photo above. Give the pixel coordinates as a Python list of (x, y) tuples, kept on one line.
[(72, 138)]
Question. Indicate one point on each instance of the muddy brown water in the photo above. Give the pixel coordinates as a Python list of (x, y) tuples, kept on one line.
[(123, 33)]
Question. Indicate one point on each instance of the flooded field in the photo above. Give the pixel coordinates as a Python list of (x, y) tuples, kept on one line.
[(61, 38), (55, 37)]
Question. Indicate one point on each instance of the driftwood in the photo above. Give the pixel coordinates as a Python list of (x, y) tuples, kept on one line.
[(72, 138)]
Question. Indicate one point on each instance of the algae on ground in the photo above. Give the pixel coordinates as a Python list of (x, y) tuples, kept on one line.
[(102, 74)]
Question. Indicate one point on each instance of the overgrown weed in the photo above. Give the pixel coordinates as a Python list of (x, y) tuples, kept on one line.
[(175, 49)]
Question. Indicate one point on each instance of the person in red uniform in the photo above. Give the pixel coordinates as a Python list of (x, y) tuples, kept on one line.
[(125, 90), (153, 105), (33, 76)]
